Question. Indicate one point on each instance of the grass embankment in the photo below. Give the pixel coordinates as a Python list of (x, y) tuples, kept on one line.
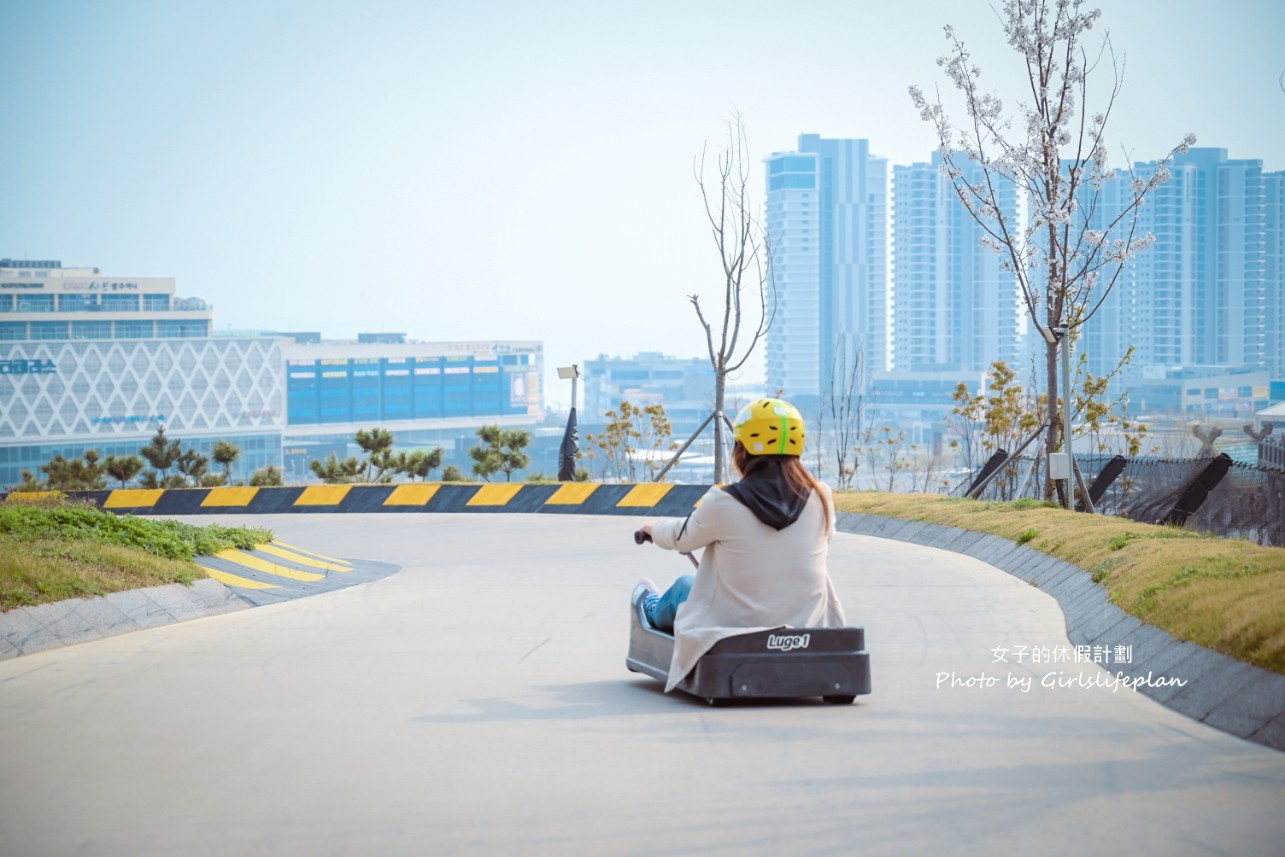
[(54, 550), (1224, 594)]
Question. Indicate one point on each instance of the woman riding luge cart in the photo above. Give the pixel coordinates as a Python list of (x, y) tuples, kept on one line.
[(763, 568)]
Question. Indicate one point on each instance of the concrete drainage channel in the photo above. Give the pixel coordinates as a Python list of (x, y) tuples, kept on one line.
[(1222, 692)]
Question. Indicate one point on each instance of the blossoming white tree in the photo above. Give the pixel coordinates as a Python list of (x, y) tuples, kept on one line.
[(1073, 245)]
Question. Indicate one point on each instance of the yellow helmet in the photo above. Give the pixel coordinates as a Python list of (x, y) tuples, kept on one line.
[(770, 427)]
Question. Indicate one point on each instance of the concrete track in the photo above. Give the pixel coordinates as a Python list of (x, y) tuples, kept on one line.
[(477, 703)]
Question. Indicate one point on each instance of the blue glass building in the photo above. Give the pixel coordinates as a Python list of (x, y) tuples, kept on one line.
[(1274, 270), (954, 308), (363, 385), (428, 394), (826, 222), (1206, 293)]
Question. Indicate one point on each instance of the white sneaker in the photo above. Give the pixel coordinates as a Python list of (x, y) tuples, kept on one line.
[(644, 588)]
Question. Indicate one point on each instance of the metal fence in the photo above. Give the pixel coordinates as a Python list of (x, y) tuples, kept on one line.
[(1217, 495)]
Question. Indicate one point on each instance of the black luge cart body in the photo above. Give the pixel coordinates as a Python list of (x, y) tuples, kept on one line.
[(831, 663)]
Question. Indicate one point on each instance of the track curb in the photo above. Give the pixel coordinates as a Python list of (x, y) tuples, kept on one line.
[(1218, 690), (27, 630)]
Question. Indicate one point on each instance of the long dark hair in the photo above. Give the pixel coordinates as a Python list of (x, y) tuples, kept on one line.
[(801, 482)]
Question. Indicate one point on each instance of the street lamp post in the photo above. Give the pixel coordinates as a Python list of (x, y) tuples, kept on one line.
[(572, 372), (571, 437)]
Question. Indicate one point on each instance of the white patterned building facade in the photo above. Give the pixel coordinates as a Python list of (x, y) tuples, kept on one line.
[(64, 397), (90, 361)]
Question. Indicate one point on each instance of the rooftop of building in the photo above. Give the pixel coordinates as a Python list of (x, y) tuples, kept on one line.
[(29, 264)]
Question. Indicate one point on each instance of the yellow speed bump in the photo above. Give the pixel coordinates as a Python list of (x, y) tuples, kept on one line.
[(242, 558), (303, 560), (237, 580), (312, 554)]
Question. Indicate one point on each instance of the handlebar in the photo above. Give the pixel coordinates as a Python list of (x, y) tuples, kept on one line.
[(641, 537)]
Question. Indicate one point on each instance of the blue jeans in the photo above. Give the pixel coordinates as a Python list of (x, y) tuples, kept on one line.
[(662, 609)]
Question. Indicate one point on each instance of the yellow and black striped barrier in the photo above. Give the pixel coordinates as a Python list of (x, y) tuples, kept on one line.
[(586, 498)]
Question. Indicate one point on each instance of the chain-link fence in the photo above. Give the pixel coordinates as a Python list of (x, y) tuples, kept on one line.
[(1218, 495)]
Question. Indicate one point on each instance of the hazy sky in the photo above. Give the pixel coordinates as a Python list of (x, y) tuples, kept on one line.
[(517, 170)]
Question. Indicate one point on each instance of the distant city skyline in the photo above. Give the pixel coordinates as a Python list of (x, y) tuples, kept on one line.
[(512, 170), (1207, 297), (1209, 291)]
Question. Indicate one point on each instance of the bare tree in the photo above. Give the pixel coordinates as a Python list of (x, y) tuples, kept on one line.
[(743, 250), (1070, 253), (846, 408)]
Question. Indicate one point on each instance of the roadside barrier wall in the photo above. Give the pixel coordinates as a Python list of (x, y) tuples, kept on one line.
[(585, 498)]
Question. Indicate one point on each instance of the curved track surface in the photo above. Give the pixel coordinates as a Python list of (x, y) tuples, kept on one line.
[(477, 703)]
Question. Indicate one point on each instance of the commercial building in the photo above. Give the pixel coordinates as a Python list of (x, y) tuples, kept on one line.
[(89, 361), (685, 386), (826, 221), (1201, 392), (427, 393)]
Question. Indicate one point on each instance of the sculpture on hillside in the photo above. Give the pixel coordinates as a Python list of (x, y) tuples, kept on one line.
[(1206, 435), (1260, 433)]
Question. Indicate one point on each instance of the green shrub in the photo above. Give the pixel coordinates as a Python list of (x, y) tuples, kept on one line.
[(171, 539)]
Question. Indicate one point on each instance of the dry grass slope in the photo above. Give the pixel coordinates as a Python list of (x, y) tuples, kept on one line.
[(1224, 594), (46, 570)]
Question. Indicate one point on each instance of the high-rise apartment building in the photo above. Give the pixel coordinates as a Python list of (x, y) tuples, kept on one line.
[(1274, 270), (1200, 296), (826, 223), (954, 307)]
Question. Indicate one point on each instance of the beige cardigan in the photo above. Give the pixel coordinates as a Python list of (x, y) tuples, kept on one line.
[(751, 576)]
